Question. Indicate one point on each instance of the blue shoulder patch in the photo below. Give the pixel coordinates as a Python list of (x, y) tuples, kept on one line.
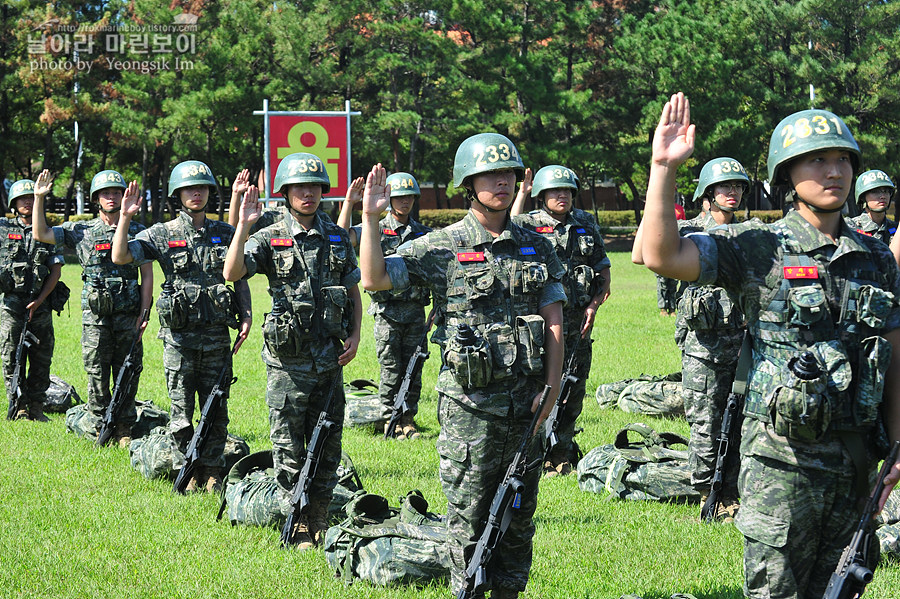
[(892, 231), (527, 251), (580, 230)]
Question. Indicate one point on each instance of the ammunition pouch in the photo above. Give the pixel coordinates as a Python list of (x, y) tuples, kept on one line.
[(336, 311), (873, 305), (282, 335), (502, 341), (800, 409), (530, 340), (99, 298), (470, 365), (222, 305), (807, 306), (582, 285), (708, 308), (874, 358), (174, 309)]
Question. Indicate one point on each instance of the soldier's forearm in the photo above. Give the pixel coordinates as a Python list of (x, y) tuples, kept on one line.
[(244, 301)]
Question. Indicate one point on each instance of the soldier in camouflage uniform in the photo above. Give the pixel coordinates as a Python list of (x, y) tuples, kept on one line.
[(399, 319), (820, 301), (29, 272), (709, 330), (195, 306), (499, 287), (111, 299), (575, 235), (312, 331), (874, 191)]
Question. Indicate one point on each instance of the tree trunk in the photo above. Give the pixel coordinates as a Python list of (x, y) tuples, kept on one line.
[(636, 200)]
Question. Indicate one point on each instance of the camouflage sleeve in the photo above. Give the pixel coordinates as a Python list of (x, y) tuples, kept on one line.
[(68, 234), (56, 255), (889, 267), (255, 255), (358, 230), (709, 258), (351, 275), (423, 262), (142, 247), (554, 291), (601, 258)]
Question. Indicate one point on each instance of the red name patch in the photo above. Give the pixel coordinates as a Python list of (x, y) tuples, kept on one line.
[(14, 235), (103, 246), (544, 229), (389, 231), (863, 232), (178, 243), (470, 256), (281, 242), (801, 272)]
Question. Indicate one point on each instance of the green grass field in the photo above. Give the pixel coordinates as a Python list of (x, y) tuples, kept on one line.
[(79, 522)]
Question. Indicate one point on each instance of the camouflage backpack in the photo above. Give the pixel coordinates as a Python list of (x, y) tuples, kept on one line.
[(363, 406), (148, 418), (157, 455), (648, 468), (60, 396), (888, 530), (83, 423), (651, 395), (253, 498), (385, 545)]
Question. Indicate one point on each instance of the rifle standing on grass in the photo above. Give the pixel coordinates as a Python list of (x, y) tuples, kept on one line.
[(18, 399), (314, 450), (401, 407), (124, 382), (551, 425), (207, 418), (506, 500)]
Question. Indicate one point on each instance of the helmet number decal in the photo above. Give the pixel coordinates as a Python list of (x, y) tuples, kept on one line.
[(728, 166), (494, 153), (802, 128), (563, 173), (194, 170), (404, 182), (307, 165)]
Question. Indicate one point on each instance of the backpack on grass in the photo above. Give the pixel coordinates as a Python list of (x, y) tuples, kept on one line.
[(60, 396), (363, 405), (644, 465), (385, 545)]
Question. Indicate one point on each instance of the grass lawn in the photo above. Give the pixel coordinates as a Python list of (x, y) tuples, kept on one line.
[(79, 522)]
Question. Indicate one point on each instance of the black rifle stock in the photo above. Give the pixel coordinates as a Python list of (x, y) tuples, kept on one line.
[(201, 433), (415, 363), (730, 420), (314, 449), (17, 400), (124, 382), (551, 425), (506, 500), (852, 575)]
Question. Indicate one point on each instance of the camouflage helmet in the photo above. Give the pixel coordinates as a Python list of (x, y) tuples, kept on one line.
[(553, 176), (403, 184), (870, 180), (301, 168), (188, 173), (22, 187), (805, 132), (106, 180), (719, 170), (484, 153)]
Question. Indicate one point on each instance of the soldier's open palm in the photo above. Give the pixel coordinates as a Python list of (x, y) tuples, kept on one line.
[(251, 209), (377, 195), (131, 201), (673, 141), (44, 183)]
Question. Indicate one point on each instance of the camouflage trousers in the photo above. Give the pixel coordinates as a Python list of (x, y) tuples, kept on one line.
[(796, 523), (394, 345), (582, 369), (666, 293), (296, 394), (12, 319), (104, 348), (475, 450), (705, 389), (190, 372)]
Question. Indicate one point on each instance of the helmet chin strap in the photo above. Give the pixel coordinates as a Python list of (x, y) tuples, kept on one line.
[(472, 197), (113, 211), (815, 209)]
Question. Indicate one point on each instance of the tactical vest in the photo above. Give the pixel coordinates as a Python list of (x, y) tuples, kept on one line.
[(575, 249), (309, 300), (839, 323), (109, 288), (194, 293), (24, 260), (498, 296), (391, 239), (866, 226)]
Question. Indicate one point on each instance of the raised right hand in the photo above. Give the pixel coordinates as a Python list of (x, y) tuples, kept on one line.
[(251, 209), (131, 201), (673, 141), (377, 195)]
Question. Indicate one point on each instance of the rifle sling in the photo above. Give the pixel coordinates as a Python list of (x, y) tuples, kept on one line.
[(745, 360)]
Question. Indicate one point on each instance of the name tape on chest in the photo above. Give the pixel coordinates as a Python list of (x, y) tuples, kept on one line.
[(864, 232), (389, 232), (470, 256), (178, 243), (546, 229), (216, 239), (281, 242), (801, 272), (334, 238), (100, 247), (14, 236), (580, 230), (527, 251)]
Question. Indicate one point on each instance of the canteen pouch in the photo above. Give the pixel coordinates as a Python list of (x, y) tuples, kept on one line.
[(479, 282), (874, 358), (501, 339), (335, 311), (873, 305), (471, 365), (585, 245), (171, 308), (99, 298), (800, 409), (807, 305), (20, 275), (707, 308), (281, 334), (530, 339), (222, 305), (583, 278)]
